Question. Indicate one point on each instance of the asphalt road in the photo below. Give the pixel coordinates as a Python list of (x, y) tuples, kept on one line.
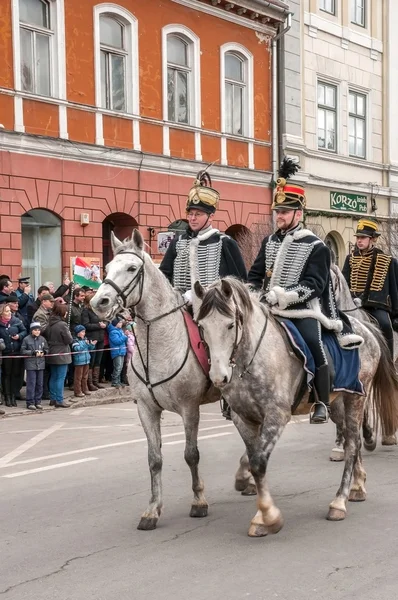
[(74, 483)]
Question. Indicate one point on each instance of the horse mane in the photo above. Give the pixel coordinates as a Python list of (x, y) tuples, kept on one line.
[(215, 298)]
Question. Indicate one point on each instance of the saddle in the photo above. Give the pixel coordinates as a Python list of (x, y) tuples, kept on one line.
[(344, 365)]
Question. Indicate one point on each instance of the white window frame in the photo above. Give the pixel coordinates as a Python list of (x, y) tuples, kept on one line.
[(365, 119), (325, 82), (248, 100), (324, 8), (194, 92), (132, 80), (57, 50), (355, 11)]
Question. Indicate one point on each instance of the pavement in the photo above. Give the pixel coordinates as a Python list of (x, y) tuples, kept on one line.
[(74, 484), (109, 395)]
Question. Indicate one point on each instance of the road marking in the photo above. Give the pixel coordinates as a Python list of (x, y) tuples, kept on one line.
[(201, 437), (29, 444), (76, 412), (50, 467), (117, 408), (104, 446)]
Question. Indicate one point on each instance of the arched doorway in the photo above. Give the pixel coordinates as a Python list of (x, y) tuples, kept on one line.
[(335, 243), (41, 247), (122, 226), (238, 232)]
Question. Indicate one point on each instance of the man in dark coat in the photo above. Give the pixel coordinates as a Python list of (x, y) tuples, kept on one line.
[(6, 288), (218, 255), (25, 298), (373, 279), (292, 267)]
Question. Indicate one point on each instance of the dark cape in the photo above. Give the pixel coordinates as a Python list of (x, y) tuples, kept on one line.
[(218, 256)]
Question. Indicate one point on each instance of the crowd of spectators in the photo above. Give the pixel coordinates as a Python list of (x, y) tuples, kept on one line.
[(57, 341)]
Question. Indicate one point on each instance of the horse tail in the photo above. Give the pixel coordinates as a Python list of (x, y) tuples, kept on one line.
[(385, 387)]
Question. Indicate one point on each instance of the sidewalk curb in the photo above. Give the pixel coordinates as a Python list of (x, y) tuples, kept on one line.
[(106, 396)]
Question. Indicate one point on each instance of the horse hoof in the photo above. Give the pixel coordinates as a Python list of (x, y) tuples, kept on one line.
[(277, 526), (370, 446), (147, 523), (198, 511), (256, 530), (389, 440), (357, 496), (336, 514), (240, 484), (337, 455), (250, 490)]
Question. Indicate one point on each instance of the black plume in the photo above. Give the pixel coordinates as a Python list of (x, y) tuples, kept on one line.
[(204, 178), (288, 168)]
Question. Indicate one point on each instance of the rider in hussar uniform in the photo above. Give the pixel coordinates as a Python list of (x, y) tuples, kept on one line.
[(292, 267), (217, 255), (373, 279)]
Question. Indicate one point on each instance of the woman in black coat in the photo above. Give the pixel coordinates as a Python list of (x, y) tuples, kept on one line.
[(59, 339), (12, 331), (95, 331)]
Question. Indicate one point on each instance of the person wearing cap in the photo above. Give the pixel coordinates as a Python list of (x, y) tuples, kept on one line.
[(81, 347), (218, 255), (372, 277), (34, 348), (34, 306), (292, 267), (42, 315), (25, 297)]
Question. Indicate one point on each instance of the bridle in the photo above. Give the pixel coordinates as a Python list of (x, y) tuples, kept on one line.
[(137, 280), (123, 295)]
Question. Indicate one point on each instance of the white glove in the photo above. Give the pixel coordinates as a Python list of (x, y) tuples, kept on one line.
[(358, 302), (271, 298), (188, 296)]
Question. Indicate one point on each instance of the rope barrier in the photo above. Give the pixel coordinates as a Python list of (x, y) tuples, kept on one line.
[(58, 354)]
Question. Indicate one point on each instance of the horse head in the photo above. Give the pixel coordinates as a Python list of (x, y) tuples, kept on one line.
[(224, 310), (123, 285)]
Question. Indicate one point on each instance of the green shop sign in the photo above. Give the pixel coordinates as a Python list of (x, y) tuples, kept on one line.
[(348, 202)]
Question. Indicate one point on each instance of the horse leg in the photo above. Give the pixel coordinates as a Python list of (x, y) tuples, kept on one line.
[(369, 436), (199, 507), (353, 408), (337, 454), (358, 491), (150, 420), (244, 480), (259, 445)]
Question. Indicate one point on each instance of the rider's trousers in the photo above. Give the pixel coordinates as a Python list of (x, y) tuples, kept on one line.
[(310, 329), (384, 321)]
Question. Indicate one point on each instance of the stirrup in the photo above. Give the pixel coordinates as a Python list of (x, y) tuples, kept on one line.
[(312, 411)]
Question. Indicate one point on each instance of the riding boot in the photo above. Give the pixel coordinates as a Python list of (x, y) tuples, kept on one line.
[(13, 400), (7, 401), (226, 410), (322, 393), (96, 374), (90, 382)]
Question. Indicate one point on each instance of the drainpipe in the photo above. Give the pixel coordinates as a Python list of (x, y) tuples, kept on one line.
[(278, 89)]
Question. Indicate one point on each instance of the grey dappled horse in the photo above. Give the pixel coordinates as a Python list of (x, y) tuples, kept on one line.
[(346, 304), (166, 374), (252, 364)]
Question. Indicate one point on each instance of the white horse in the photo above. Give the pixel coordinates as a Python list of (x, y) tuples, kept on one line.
[(252, 364), (165, 373)]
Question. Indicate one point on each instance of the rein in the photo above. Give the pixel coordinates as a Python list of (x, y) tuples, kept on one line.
[(123, 295), (264, 329)]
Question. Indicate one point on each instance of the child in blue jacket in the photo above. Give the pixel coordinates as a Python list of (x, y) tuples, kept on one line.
[(117, 343), (81, 360)]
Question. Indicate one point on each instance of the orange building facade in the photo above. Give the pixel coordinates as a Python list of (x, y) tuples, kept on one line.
[(108, 110)]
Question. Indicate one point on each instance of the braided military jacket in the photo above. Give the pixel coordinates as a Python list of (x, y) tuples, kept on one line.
[(373, 277)]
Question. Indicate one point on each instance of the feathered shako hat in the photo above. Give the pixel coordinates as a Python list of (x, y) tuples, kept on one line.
[(367, 228), (288, 195), (201, 195)]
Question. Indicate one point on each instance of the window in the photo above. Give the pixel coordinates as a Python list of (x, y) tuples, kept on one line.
[(358, 12), (36, 40), (328, 6), (236, 90), (179, 79), (357, 124), (327, 117), (116, 59), (113, 48)]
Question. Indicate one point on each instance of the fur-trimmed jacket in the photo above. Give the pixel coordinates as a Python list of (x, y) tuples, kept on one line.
[(293, 268)]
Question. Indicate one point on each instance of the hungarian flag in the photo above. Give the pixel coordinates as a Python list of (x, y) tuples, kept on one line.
[(85, 274)]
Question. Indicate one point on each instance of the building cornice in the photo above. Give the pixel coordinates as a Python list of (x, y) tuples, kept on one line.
[(129, 159)]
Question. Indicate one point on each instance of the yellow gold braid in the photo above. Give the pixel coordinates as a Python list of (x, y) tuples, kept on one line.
[(360, 266)]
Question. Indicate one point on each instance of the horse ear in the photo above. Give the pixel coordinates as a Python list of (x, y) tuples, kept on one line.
[(199, 290), (137, 239), (115, 243), (226, 289)]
